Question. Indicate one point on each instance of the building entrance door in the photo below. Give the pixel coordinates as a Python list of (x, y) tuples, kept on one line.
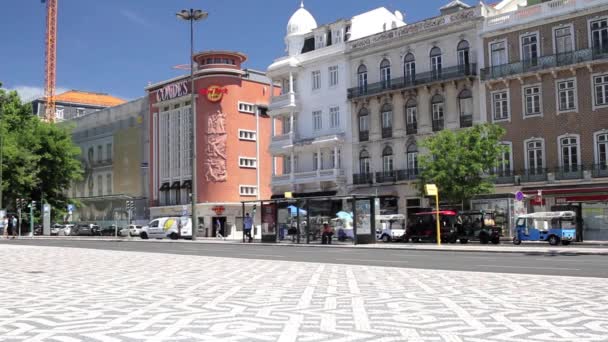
[(219, 227)]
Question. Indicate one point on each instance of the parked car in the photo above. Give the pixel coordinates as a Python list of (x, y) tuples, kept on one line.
[(67, 230), (110, 230), (56, 229), (38, 229), (554, 227), (167, 227), (482, 226), (87, 230), (425, 227), (390, 228), (135, 230)]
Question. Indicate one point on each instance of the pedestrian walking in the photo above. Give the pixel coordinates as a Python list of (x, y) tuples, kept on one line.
[(10, 226), (16, 226), (247, 226), (5, 226)]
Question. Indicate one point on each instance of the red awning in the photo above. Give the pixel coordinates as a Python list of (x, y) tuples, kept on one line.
[(583, 198)]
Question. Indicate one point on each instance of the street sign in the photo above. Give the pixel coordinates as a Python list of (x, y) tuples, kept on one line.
[(430, 189), (70, 208), (519, 196), (184, 210)]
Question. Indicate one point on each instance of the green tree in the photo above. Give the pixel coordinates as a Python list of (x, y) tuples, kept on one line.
[(460, 162), (39, 158)]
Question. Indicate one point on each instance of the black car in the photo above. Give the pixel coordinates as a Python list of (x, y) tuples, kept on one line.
[(110, 230), (87, 230)]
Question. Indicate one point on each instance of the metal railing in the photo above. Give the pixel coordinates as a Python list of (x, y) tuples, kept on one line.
[(363, 135), (569, 172), (363, 178), (534, 175), (411, 128), (543, 63), (386, 176), (438, 125), (387, 132), (419, 79), (466, 120), (503, 176), (599, 170)]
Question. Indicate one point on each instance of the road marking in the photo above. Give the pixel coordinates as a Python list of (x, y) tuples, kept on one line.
[(372, 260), (532, 268)]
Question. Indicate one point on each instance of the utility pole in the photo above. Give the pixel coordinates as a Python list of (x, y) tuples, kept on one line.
[(1, 154), (32, 205)]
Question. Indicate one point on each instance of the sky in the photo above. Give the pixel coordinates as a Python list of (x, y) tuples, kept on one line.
[(120, 46)]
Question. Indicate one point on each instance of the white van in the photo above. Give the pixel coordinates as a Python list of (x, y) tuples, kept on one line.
[(167, 227)]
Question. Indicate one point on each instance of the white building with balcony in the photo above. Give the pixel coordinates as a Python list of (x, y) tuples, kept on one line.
[(312, 127)]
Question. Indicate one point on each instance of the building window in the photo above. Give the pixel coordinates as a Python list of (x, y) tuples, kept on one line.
[(529, 50), (80, 112), (532, 101), (250, 163), (316, 80), (500, 105), (109, 184), (465, 101), (109, 152), (362, 79), (317, 120), (463, 55), (566, 95), (248, 190), (364, 164), (412, 159), (409, 68), (385, 73), (563, 40), (535, 152), (247, 135), (335, 158), (437, 108), (600, 86), (504, 161), (601, 157), (333, 75), (286, 165), (569, 153), (498, 53), (411, 117), (315, 161), (387, 159), (99, 185), (436, 62), (599, 36), (99, 153), (59, 113), (386, 118), (363, 124), (334, 116), (245, 107)]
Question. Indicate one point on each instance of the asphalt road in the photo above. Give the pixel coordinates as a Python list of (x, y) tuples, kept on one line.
[(540, 263)]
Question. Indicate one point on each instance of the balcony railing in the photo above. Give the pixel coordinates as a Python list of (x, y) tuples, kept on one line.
[(503, 176), (599, 170), (387, 132), (534, 175), (363, 135), (411, 128), (423, 78), (438, 125), (569, 172), (103, 162), (466, 120), (543, 63), (363, 178), (409, 174), (386, 176)]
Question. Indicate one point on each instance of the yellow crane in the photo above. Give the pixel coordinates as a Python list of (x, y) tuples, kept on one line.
[(50, 66)]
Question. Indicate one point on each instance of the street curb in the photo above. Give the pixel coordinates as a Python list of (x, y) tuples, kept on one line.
[(536, 250)]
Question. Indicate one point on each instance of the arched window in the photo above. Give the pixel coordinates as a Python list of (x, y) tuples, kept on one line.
[(436, 62), (411, 117), (569, 153), (463, 55), (465, 102), (385, 73), (363, 124), (362, 79), (409, 68), (386, 116), (437, 106), (387, 160), (412, 160), (364, 164)]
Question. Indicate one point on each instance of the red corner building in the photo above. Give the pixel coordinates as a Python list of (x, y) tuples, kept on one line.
[(231, 147)]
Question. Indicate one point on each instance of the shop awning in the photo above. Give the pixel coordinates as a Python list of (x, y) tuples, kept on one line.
[(164, 187), (187, 184), (176, 185)]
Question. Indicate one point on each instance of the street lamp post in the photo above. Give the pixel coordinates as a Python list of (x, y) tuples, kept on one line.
[(193, 15)]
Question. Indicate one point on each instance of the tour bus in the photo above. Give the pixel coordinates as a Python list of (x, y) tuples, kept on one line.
[(167, 227)]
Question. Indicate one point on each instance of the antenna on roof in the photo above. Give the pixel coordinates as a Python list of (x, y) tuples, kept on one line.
[(302, 4)]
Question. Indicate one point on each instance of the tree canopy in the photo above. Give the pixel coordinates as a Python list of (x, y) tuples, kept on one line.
[(461, 162), (39, 158)]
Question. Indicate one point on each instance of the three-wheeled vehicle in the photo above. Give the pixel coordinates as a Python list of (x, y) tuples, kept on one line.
[(391, 227), (479, 225), (424, 227), (553, 226)]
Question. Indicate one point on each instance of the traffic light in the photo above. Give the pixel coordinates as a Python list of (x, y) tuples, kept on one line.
[(21, 203), (32, 205), (130, 205)]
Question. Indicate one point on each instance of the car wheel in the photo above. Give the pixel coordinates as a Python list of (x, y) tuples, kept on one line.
[(386, 238), (516, 241), (143, 236), (464, 241), (565, 243), (484, 239), (173, 236), (553, 240), (495, 240)]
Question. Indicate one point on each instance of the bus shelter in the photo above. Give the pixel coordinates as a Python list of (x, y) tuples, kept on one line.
[(351, 219)]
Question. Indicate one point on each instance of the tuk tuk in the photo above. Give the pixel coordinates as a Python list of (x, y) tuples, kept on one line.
[(479, 226), (554, 227), (424, 227), (391, 227)]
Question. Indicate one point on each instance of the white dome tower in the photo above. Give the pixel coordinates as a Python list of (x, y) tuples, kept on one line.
[(300, 23)]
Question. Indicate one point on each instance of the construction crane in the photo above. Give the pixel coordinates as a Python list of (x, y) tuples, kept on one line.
[(50, 66)]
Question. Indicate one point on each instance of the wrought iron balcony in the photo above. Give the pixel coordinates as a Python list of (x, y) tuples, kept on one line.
[(411, 128), (543, 63), (599, 170), (466, 120), (503, 176), (438, 125), (445, 74), (386, 176), (387, 132), (409, 174), (363, 178), (534, 175), (569, 172), (363, 135)]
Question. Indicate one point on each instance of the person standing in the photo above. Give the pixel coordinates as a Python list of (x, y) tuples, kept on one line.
[(5, 226), (16, 226), (10, 227), (326, 235), (247, 226)]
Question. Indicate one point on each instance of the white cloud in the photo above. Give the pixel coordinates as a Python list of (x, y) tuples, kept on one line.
[(134, 17), (29, 93)]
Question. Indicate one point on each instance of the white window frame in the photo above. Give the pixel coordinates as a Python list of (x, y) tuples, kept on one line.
[(572, 35), (596, 152), (509, 145), (316, 79), (578, 148), (243, 135), (493, 103), (411, 158), (334, 117), (521, 45), (361, 119), (386, 117), (246, 107), (59, 113), (525, 105), (557, 95), (248, 162), (317, 120), (593, 103), (503, 41), (78, 112), (544, 151), (334, 76), (244, 190), (589, 21)]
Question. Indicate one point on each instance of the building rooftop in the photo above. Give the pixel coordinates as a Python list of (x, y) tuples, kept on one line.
[(88, 98)]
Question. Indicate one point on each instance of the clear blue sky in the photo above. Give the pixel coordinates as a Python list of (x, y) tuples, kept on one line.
[(118, 46)]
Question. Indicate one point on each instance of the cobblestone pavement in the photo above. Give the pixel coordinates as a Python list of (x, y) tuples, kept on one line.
[(65, 294)]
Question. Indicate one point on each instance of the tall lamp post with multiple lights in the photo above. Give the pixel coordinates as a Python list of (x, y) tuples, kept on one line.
[(193, 15)]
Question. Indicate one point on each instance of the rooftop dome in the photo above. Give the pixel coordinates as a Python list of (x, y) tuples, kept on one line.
[(301, 22)]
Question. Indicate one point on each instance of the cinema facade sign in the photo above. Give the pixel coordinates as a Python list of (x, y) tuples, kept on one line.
[(172, 91)]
